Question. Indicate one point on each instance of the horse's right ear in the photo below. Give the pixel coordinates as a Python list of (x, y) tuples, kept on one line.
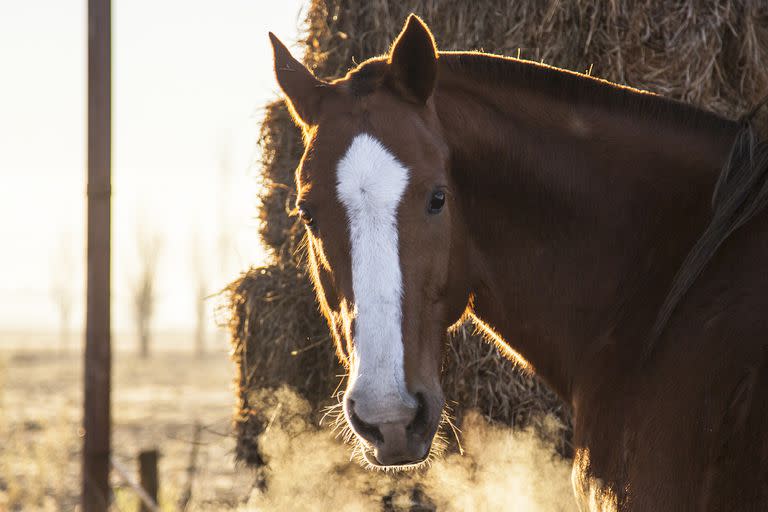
[(302, 90)]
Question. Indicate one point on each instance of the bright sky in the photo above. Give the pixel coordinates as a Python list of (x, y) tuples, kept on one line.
[(189, 80)]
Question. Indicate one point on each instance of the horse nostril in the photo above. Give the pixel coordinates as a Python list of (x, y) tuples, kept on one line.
[(370, 433), (419, 423)]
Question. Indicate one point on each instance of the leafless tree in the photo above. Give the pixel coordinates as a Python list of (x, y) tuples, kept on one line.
[(200, 273), (144, 291), (225, 240), (224, 213), (63, 288)]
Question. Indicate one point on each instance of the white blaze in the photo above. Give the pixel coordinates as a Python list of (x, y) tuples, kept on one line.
[(370, 185)]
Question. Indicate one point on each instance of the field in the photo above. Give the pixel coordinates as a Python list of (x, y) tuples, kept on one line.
[(156, 403)]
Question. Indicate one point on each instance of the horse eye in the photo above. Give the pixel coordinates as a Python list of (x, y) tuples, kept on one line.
[(306, 217), (437, 201)]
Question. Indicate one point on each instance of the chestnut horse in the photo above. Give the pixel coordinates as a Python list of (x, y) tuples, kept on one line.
[(610, 239)]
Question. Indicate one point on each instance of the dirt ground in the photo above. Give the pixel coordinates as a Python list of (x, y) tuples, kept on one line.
[(156, 403)]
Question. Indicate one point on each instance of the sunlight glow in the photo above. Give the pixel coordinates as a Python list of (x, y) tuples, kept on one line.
[(189, 81)]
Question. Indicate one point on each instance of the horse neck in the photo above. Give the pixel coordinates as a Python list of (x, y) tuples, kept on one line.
[(577, 215)]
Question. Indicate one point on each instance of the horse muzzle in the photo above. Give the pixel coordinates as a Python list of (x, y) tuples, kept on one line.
[(399, 434)]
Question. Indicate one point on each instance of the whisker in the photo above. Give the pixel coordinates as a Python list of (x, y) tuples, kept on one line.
[(334, 418), (447, 419)]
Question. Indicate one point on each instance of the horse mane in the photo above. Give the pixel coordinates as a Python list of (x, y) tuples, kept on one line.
[(741, 192)]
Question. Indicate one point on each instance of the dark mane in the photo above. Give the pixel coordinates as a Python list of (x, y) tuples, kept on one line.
[(740, 194)]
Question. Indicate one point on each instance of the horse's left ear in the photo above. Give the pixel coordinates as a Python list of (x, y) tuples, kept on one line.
[(302, 90), (413, 61)]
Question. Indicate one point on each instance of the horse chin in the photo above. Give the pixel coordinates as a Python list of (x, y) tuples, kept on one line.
[(372, 463)]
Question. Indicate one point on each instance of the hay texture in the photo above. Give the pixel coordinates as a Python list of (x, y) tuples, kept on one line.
[(712, 53)]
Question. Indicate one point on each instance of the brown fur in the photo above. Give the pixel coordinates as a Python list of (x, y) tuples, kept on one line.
[(572, 203)]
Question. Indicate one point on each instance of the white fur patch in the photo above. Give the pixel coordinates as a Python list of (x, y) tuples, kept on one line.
[(370, 185)]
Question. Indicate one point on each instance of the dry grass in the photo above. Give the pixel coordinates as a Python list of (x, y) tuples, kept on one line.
[(156, 403), (711, 53), (280, 340)]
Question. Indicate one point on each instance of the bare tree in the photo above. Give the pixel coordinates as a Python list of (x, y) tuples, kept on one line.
[(224, 212), (201, 294), (225, 236), (63, 289), (200, 298), (144, 292)]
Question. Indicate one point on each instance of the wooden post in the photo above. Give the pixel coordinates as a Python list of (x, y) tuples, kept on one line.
[(148, 476), (96, 413), (129, 481)]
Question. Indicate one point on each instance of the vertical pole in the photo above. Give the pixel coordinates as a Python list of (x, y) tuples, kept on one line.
[(96, 413), (148, 476)]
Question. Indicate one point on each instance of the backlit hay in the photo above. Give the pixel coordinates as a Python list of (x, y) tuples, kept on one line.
[(277, 339), (712, 53)]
